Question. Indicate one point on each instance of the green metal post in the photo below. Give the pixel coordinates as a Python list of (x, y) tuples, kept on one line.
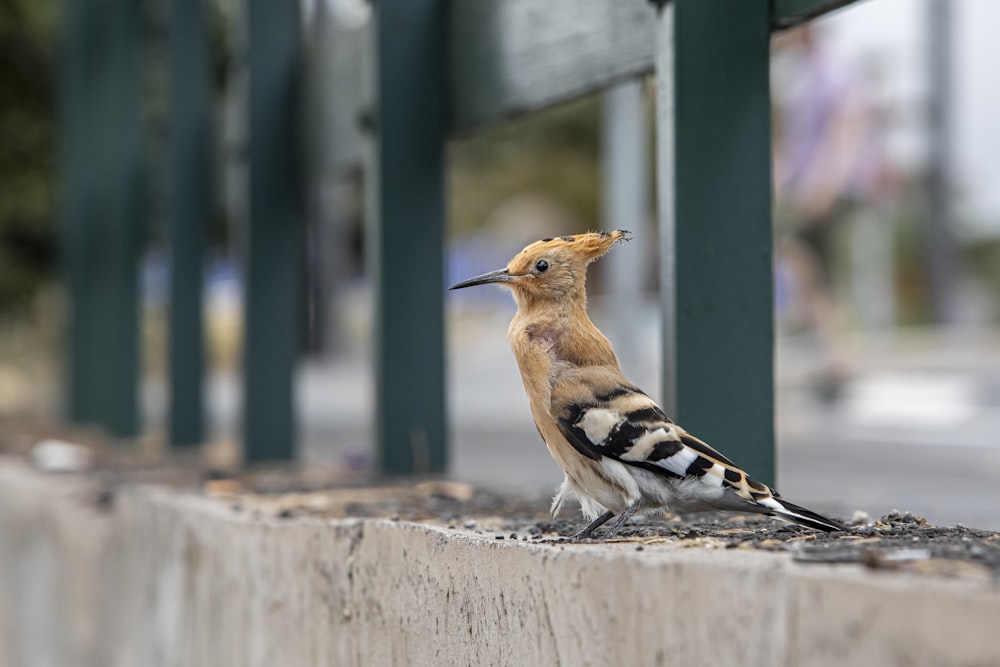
[(274, 241), (74, 128), (118, 244), (104, 140), (940, 247), (406, 195), (189, 215), (715, 212)]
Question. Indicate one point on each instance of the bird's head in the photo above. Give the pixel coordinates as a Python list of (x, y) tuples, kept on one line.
[(553, 269)]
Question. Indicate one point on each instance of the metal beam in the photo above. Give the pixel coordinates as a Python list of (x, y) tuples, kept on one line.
[(274, 289), (521, 55), (189, 215), (506, 58), (406, 234), (503, 58), (790, 13), (715, 214)]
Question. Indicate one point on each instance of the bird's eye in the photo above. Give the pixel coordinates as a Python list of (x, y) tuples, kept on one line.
[(542, 266)]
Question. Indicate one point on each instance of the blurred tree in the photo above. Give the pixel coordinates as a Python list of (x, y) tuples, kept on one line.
[(27, 146)]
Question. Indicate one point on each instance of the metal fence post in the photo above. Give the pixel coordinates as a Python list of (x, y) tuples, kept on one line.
[(102, 210), (940, 241), (189, 215), (714, 191), (274, 288), (406, 236), (74, 135)]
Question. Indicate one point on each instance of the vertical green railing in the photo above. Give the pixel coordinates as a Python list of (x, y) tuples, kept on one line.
[(715, 209), (713, 187), (274, 250), (189, 210), (406, 237), (74, 122), (102, 209)]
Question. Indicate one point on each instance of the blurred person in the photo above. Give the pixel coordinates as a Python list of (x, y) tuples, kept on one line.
[(828, 166)]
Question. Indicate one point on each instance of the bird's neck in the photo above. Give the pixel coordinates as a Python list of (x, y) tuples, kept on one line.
[(562, 331)]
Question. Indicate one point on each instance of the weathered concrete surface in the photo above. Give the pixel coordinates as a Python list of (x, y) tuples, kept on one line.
[(171, 578), (53, 539)]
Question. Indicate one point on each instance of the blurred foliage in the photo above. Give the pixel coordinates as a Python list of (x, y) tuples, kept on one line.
[(28, 135), (27, 147), (554, 153)]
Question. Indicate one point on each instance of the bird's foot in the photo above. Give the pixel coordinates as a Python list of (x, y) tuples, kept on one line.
[(588, 532), (623, 517)]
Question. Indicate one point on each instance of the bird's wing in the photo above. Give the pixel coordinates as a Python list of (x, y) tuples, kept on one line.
[(601, 415)]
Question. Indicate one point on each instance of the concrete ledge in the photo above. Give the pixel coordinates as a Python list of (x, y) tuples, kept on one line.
[(164, 577)]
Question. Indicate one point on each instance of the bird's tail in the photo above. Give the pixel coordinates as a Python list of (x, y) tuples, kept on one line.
[(787, 511)]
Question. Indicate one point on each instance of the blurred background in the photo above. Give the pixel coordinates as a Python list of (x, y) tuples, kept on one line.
[(887, 254)]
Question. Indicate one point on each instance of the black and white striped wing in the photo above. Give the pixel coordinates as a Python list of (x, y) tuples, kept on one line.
[(626, 425), (642, 436)]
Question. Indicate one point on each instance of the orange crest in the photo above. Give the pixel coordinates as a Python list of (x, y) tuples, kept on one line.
[(578, 248)]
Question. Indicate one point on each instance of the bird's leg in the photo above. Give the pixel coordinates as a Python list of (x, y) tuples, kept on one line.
[(594, 525), (623, 517)]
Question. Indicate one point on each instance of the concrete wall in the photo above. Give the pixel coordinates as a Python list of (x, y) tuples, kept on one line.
[(169, 578), (52, 542)]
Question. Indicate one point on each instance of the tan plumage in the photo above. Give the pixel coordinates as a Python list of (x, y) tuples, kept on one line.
[(620, 453)]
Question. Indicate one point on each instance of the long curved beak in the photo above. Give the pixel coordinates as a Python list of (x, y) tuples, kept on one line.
[(499, 276)]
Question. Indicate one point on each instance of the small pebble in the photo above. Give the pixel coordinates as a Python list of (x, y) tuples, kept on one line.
[(861, 518), (513, 536), (54, 455), (470, 524), (451, 526), (639, 547), (285, 514), (499, 537)]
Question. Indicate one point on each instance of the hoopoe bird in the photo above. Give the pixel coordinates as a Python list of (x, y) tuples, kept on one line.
[(620, 453)]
